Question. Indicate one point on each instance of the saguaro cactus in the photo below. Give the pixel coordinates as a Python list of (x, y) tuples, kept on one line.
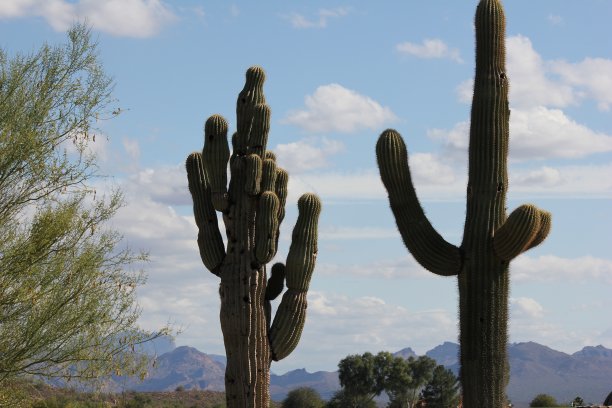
[(252, 209), (491, 239)]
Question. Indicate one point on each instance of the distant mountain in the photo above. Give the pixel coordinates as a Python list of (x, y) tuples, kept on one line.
[(406, 353), (534, 369), (187, 367), (446, 354), (325, 382)]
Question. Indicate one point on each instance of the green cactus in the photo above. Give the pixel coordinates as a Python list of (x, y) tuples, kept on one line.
[(491, 239), (252, 207)]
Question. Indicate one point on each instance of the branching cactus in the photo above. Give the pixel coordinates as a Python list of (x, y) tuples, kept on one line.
[(491, 239), (252, 207)]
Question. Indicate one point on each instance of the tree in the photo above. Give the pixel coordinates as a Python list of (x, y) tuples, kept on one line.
[(342, 399), (442, 391), (303, 397), (491, 238), (407, 379), (578, 402), (67, 286), (543, 400), (364, 377)]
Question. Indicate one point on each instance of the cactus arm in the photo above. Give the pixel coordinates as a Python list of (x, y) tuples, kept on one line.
[(545, 224), (266, 228), (280, 188), (291, 315), (215, 155), (421, 239), (520, 231), (210, 243)]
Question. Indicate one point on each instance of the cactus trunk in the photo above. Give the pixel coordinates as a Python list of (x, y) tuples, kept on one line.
[(491, 239), (252, 209)]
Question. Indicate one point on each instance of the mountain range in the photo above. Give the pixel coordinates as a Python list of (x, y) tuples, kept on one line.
[(534, 369)]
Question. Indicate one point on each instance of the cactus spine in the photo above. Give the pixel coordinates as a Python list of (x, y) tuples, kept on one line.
[(491, 239), (252, 208)]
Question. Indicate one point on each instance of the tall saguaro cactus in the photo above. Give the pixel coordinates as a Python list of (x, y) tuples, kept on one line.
[(253, 207), (491, 239)]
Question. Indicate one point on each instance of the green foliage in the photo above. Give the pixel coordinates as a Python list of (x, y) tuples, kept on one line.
[(442, 391), (491, 238), (544, 400), (577, 402), (407, 378), (67, 294), (252, 205), (303, 397), (364, 376), (342, 399)]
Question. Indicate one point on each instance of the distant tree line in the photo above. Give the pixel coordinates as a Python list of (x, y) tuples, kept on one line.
[(364, 377)]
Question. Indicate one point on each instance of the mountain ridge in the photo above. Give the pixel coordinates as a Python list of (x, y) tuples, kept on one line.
[(534, 369)]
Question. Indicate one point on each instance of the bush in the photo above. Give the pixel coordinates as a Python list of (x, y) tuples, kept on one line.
[(303, 397), (544, 400)]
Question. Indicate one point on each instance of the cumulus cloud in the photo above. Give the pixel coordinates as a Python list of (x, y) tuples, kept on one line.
[(338, 325), (593, 78), (430, 48), (536, 133), (593, 181), (549, 268), (526, 307), (305, 155), (334, 108), (124, 18), (536, 82), (529, 84), (323, 16)]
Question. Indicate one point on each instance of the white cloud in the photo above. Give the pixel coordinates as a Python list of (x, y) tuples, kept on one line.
[(526, 307), (333, 108), (431, 48), (129, 18), (323, 16), (535, 82), (552, 268), (536, 133), (304, 155), (364, 324), (593, 76), (594, 181), (132, 148), (529, 84)]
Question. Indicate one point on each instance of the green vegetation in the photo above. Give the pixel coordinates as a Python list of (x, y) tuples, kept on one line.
[(544, 400), (491, 238), (303, 397), (253, 207), (406, 381), (442, 391), (67, 291), (39, 395)]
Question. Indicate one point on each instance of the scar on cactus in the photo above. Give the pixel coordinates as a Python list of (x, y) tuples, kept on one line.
[(252, 206), (491, 239)]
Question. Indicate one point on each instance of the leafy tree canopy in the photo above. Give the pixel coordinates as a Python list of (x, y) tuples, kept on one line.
[(67, 285)]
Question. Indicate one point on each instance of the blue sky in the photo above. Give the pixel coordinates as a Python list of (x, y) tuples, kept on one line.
[(338, 74)]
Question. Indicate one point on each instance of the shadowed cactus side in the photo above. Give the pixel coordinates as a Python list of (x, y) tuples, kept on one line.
[(252, 206), (491, 239)]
